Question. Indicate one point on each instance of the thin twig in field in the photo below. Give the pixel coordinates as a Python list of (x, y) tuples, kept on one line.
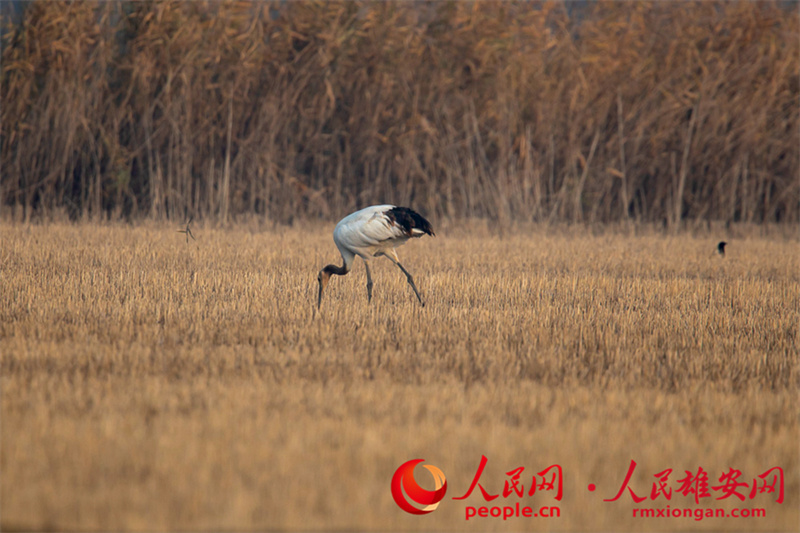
[(188, 231)]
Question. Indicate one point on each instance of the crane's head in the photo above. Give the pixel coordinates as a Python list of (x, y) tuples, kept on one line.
[(323, 277)]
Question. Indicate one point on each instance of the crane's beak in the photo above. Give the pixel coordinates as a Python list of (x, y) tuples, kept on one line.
[(323, 282)]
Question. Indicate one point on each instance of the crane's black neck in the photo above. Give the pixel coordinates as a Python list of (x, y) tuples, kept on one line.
[(338, 270)]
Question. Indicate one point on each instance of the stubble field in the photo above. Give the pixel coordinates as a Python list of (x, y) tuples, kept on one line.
[(151, 384)]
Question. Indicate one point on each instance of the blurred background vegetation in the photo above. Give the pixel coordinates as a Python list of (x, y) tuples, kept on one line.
[(657, 112)]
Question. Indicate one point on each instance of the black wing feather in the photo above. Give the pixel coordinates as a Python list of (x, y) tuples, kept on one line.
[(408, 219)]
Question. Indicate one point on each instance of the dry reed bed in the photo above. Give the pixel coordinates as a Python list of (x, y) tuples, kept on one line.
[(152, 384), (655, 111)]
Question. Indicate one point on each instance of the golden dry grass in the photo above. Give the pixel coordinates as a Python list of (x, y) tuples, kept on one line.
[(152, 384)]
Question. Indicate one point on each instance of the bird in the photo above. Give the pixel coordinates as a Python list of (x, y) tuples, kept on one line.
[(721, 248), (373, 232)]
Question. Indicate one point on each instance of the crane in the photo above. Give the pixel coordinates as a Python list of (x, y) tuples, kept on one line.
[(373, 232)]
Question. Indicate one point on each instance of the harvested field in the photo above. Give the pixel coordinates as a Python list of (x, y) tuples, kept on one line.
[(151, 384)]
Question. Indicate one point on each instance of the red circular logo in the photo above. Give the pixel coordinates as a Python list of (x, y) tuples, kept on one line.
[(405, 488)]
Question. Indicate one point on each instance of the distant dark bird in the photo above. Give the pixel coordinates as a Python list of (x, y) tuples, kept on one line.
[(373, 232), (721, 248), (188, 231)]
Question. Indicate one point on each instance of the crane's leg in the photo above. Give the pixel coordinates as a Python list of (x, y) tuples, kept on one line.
[(369, 282), (394, 259)]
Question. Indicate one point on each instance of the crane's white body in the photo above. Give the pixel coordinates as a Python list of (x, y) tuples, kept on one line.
[(373, 232), (369, 233)]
